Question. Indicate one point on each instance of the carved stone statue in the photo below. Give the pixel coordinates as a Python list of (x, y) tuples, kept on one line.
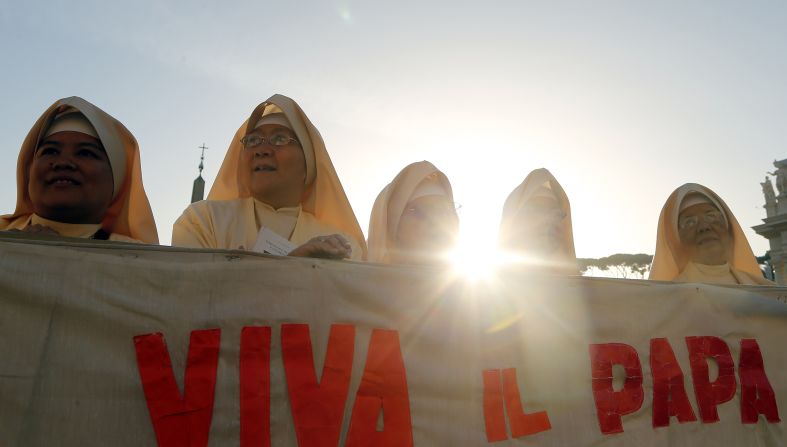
[(774, 226), (781, 176), (767, 189), (770, 196)]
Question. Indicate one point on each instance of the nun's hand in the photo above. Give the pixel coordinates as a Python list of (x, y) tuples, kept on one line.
[(40, 229), (333, 246)]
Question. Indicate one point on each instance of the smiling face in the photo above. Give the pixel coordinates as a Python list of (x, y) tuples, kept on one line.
[(704, 234), (276, 173), (70, 179)]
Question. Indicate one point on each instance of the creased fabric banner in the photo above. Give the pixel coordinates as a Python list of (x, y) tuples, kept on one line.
[(122, 345)]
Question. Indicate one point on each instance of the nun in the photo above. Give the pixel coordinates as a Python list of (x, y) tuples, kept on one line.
[(699, 240), (536, 225), (276, 192), (414, 218), (79, 175)]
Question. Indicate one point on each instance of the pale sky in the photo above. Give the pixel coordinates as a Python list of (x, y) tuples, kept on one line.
[(622, 101)]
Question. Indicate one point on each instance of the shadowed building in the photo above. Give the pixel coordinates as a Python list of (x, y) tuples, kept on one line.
[(774, 227)]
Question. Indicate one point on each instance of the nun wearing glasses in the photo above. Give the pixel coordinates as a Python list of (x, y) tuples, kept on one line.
[(276, 192), (414, 219), (699, 240), (536, 225)]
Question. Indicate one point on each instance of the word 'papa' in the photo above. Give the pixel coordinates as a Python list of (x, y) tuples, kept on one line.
[(669, 393), (185, 420)]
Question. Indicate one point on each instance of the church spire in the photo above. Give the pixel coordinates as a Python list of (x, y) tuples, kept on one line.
[(198, 191)]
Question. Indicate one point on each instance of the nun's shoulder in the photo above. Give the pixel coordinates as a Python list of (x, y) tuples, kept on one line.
[(14, 222), (217, 207), (117, 237)]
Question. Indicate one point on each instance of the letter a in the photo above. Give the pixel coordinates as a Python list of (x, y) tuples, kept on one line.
[(383, 388)]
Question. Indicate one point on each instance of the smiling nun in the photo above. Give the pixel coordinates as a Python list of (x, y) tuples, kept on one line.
[(79, 175)]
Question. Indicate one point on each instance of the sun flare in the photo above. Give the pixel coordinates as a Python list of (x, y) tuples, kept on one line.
[(476, 255)]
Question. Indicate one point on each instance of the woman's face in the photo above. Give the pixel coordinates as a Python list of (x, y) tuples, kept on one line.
[(427, 228), (276, 173), (704, 234), (540, 227), (70, 179)]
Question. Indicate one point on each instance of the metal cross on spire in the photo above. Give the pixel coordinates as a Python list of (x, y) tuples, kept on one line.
[(198, 191), (202, 158)]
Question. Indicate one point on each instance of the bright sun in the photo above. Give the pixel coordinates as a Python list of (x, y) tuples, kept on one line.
[(476, 256)]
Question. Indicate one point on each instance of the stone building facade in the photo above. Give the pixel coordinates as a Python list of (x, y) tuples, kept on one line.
[(774, 226)]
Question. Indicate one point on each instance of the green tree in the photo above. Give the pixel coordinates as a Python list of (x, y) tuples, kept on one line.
[(620, 265)]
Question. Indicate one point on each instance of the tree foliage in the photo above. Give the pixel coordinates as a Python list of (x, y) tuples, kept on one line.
[(624, 265), (621, 265)]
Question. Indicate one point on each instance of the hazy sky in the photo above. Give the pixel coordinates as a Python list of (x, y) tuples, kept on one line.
[(623, 101)]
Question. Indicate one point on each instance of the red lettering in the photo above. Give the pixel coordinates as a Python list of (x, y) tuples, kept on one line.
[(611, 404), (383, 388), (757, 396), (255, 386), (317, 409), (500, 388), (179, 420), (710, 394), (494, 418), (669, 392), (521, 424)]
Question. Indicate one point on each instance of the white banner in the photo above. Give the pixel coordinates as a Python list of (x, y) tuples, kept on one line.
[(109, 344)]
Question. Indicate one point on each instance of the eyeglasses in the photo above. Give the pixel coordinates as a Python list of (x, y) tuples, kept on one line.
[(538, 212), (711, 217), (277, 140), (435, 210)]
